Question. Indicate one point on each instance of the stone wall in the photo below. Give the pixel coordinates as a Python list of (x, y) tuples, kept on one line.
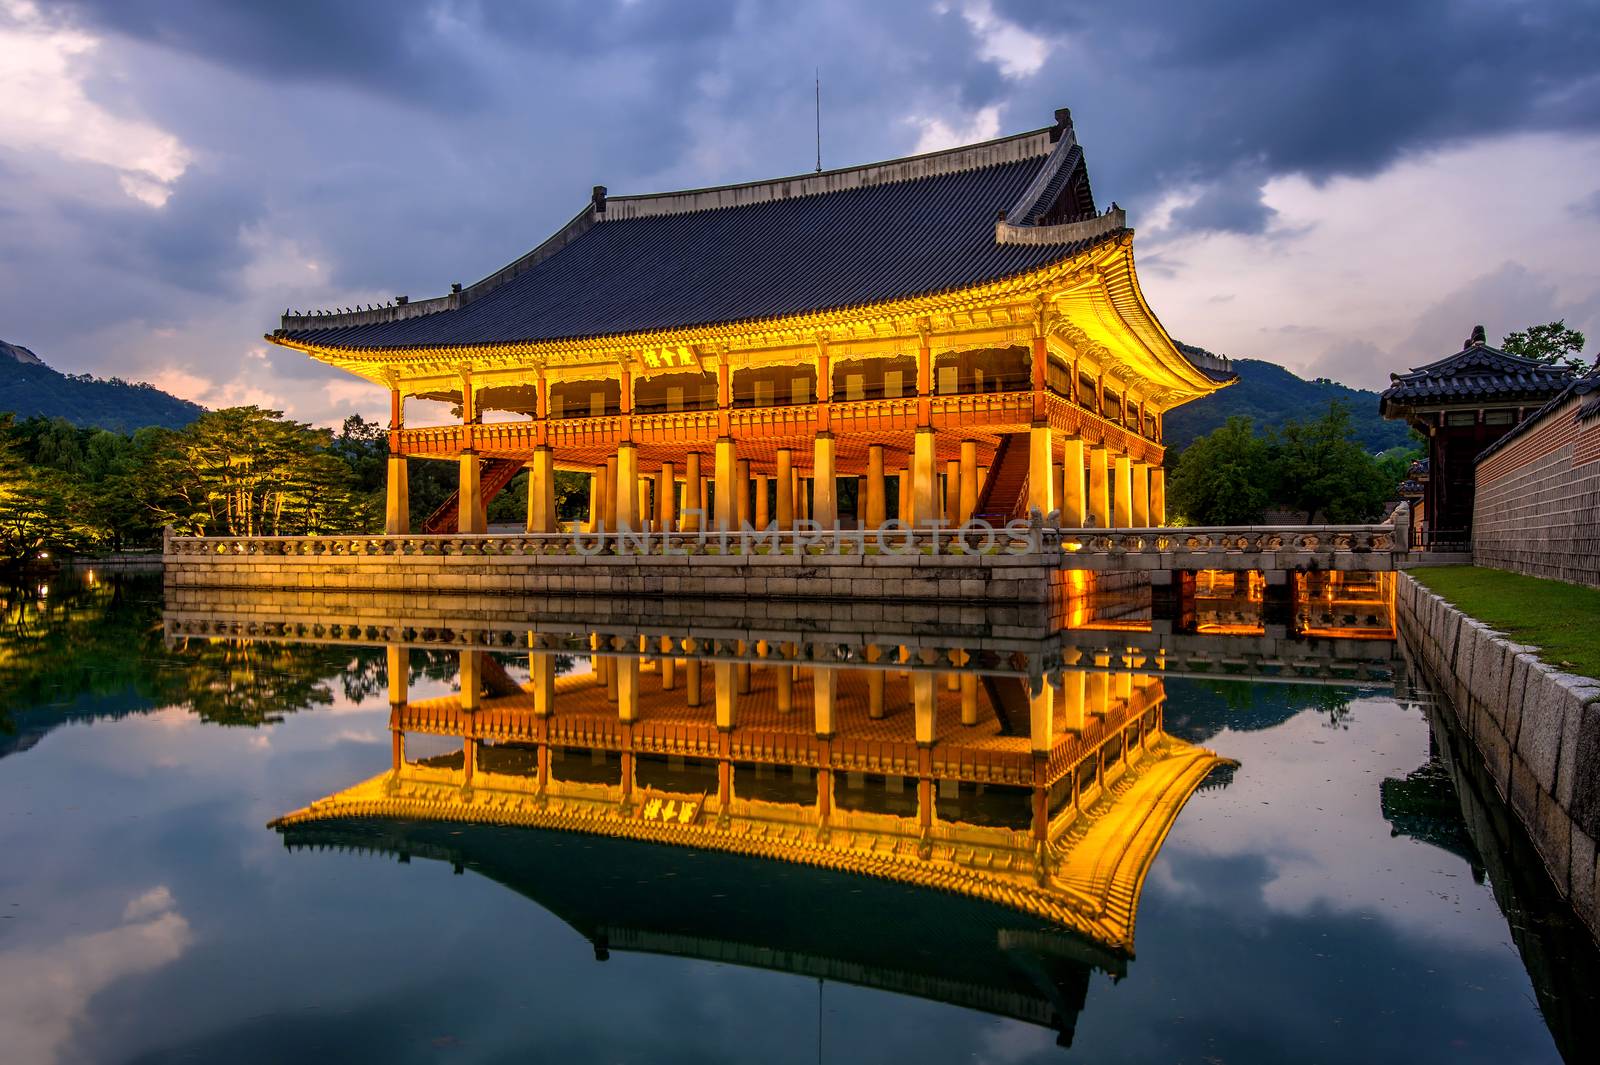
[(1537, 509), (999, 578), (1537, 729)]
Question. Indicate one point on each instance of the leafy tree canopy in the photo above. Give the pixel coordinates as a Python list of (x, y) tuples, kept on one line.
[(1552, 342)]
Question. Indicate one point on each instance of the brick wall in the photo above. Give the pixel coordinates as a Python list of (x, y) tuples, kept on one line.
[(1538, 501)]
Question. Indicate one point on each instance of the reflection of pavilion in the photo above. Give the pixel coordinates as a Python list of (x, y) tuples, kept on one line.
[(1041, 803)]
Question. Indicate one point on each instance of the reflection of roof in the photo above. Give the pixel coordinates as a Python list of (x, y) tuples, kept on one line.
[(819, 922), (1088, 879), (814, 242), (1477, 373)]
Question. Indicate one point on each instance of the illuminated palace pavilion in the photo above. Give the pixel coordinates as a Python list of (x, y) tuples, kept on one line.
[(963, 332)]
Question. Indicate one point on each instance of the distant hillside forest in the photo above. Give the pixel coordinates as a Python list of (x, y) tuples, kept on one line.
[(29, 387), (1271, 397)]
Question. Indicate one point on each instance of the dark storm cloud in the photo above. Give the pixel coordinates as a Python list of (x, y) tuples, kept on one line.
[(1189, 91)]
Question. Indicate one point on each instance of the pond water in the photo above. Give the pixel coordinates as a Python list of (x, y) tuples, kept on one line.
[(215, 848)]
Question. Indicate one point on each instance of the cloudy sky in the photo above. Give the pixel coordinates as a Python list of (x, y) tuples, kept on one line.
[(1342, 188)]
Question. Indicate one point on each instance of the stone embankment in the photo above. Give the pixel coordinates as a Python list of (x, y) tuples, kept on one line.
[(1538, 730)]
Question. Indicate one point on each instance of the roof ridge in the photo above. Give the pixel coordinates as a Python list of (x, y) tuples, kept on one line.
[(1033, 144)]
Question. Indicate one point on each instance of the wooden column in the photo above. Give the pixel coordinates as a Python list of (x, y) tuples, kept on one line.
[(1158, 496), (629, 516), (1040, 362), (826, 509), (1041, 482), (786, 490), (969, 481), (667, 498), (542, 675), (1074, 697), (610, 496), (470, 671), (969, 699), (1041, 714), (691, 682), (924, 707), (763, 503), (399, 673), (727, 696), (823, 691), (470, 516), (1122, 493), (542, 491), (952, 492), (692, 499), (627, 667), (876, 511), (741, 488)]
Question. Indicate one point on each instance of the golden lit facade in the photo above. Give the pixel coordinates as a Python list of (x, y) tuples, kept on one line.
[(961, 333)]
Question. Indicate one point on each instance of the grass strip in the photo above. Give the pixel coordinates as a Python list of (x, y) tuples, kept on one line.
[(1562, 620)]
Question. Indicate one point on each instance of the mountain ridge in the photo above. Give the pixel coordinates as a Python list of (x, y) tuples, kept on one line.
[(29, 386)]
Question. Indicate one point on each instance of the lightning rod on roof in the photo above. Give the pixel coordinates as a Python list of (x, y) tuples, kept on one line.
[(818, 72)]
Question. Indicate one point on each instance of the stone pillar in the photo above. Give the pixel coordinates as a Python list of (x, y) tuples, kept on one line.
[(643, 514), (903, 494), (469, 512), (667, 497), (727, 696), (1041, 714), (763, 507), (786, 492), (542, 491), (1158, 496), (826, 505), (1122, 494), (1041, 459), (876, 511), (397, 499), (594, 503), (542, 675), (741, 487), (952, 492), (610, 496), (693, 499), (924, 706), (1141, 495), (969, 481), (725, 493), (1099, 488), (1073, 503), (628, 511), (823, 684), (924, 479)]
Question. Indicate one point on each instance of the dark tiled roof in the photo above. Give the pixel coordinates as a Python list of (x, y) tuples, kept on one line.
[(1587, 388), (785, 256), (1477, 373)]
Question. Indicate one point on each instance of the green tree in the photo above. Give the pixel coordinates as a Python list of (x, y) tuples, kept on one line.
[(1552, 342), (1224, 477), (1323, 472)]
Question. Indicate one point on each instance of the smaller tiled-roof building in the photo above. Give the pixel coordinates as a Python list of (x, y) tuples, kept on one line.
[(1462, 404)]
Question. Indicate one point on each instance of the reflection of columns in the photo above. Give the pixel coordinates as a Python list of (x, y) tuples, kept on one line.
[(1122, 493), (1141, 495), (399, 663), (693, 500), (542, 674), (1099, 488), (627, 667), (784, 673), (825, 508), (471, 675), (666, 498), (823, 683), (741, 488), (1073, 504), (628, 516), (1074, 693), (969, 698), (1158, 496), (1041, 459), (469, 511), (969, 481), (726, 501), (469, 758), (876, 511), (397, 498), (727, 697), (924, 705), (763, 508), (1041, 713), (691, 682), (610, 495), (669, 674), (785, 488), (542, 491), (924, 479)]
